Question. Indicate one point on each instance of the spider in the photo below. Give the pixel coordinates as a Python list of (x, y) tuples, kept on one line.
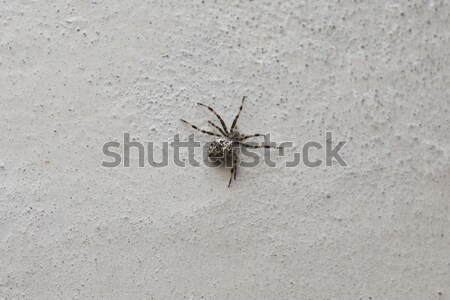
[(224, 147)]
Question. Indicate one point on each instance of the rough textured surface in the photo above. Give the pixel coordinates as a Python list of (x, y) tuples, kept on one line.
[(76, 74)]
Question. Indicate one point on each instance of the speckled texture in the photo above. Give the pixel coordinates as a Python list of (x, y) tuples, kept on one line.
[(76, 74)]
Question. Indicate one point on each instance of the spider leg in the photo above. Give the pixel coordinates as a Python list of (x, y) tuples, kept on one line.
[(258, 146), (247, 136), (217, 115), (233, 168), (201, 130), (231, 176), (233, 126), (235, 165), (218, 128)]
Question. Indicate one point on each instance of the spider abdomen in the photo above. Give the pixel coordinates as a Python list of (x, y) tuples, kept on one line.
[(220, 149)]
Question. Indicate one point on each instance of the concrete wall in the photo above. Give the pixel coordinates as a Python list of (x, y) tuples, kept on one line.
[(77, 74)]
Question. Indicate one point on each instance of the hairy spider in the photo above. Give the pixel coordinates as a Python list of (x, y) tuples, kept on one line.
[(224, 147)]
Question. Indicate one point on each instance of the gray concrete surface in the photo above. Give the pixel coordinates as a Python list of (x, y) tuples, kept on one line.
[(76, 74)]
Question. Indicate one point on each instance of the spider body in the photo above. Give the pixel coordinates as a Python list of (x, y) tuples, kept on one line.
[(224, 147)]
